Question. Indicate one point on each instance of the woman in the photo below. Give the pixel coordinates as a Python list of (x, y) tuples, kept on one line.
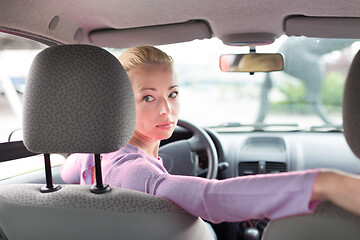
[(137, 165)]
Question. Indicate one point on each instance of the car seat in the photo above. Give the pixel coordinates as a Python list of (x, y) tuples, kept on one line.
[(329, 221)]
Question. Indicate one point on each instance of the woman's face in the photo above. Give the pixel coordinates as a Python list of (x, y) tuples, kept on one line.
[(157, 101)]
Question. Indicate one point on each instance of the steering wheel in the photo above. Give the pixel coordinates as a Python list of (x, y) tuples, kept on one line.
[(181, 157)]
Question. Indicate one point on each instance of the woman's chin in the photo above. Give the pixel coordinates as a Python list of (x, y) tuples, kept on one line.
[(164, 135)]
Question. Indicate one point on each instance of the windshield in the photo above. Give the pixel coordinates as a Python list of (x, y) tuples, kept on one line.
[(307, 94)]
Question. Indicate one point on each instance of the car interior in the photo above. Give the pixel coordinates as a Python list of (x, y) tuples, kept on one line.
[(267, 87)]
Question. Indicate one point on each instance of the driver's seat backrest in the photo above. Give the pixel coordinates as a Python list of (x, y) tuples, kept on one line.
[(78, 99), (351, 106)]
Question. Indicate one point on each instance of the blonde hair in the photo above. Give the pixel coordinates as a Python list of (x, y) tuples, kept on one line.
[(145, 56)]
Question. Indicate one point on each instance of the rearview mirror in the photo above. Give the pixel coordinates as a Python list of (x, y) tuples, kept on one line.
[(253, 62)]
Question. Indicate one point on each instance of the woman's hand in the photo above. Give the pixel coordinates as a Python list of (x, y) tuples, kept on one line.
[(343, 189)]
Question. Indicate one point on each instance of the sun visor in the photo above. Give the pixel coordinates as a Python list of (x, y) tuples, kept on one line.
[(151, 35), (323, 27)]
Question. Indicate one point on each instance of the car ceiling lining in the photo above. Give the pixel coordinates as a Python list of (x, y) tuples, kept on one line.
[(92, 20)]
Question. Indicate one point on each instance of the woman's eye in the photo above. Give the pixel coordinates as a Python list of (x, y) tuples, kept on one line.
[(148, 98), (173, 94)]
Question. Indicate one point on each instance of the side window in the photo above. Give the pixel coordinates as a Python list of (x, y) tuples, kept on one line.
[(16, 56)]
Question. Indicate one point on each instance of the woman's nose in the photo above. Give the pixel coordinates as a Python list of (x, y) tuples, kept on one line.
[(165, 107)]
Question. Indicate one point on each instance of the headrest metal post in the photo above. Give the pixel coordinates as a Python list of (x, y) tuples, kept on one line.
[(50, 187), (99, 187)]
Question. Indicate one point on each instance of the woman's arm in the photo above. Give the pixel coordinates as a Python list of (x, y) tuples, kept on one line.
[(232, 200), (343, 189), (236, 199), (241, 198)]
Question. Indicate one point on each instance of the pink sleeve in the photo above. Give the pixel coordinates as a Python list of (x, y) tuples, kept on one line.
[(71, 169), (235, 199), (272, 196)]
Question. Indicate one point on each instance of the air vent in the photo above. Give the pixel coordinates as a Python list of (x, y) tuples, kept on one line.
[(251, 168), (248, 168), (275, 167)]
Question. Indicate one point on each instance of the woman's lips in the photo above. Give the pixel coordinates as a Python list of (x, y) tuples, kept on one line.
[(167, 125)]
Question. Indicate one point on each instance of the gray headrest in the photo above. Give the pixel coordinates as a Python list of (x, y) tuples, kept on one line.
[(78, 98), (351, 106)]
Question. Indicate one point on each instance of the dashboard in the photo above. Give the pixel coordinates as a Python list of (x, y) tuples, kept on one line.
[(260, 152), (266, 152)]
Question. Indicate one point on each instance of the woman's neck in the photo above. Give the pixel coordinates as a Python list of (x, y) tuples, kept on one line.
[(149, 146)]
